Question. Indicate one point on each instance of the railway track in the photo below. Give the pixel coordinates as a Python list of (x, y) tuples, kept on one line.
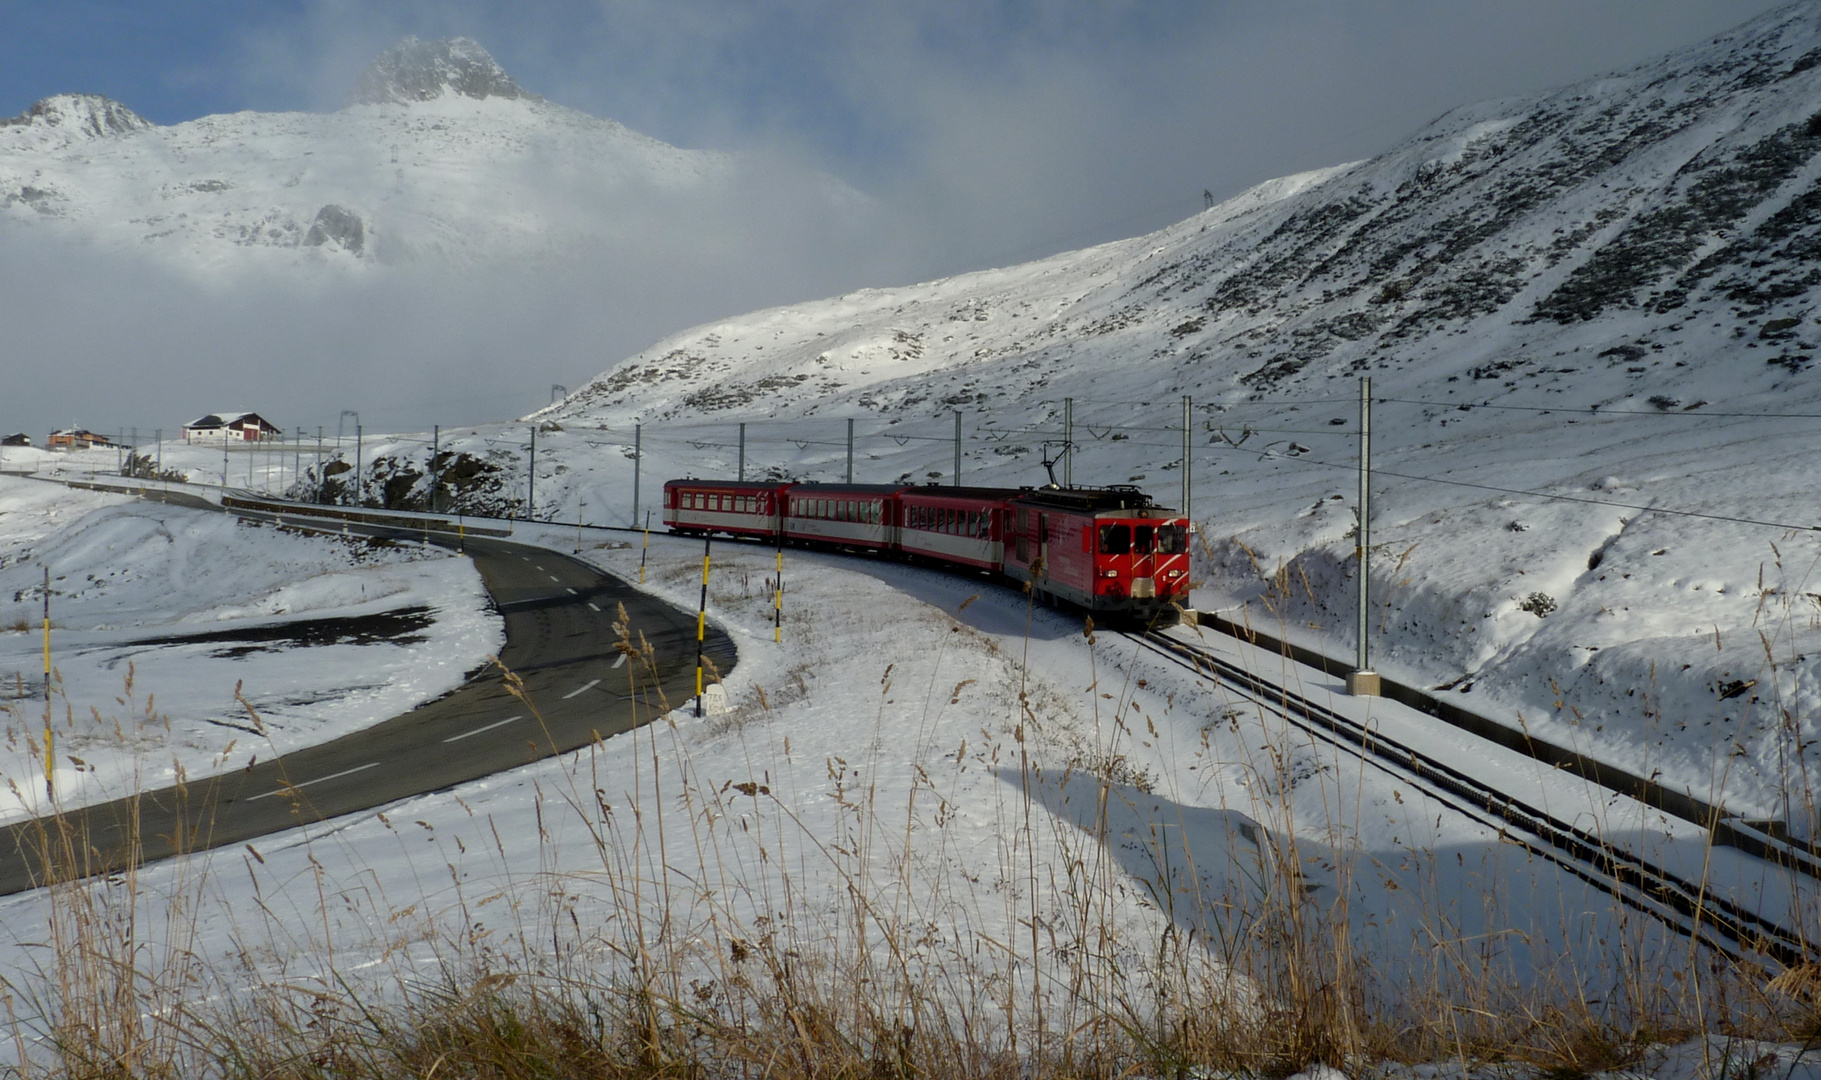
[(1653, 890)]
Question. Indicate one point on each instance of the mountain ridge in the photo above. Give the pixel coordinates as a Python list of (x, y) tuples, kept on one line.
[(438, 158)]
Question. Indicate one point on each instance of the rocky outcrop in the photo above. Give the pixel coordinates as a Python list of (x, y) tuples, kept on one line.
[(415, 70), (89, 116), (337, 227)]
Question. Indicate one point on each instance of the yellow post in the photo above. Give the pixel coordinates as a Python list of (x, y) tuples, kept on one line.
[(777, 602), (702, 623)]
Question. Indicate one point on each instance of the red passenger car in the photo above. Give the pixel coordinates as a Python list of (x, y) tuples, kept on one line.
[(958, 525), (735, 507), (861, 516)]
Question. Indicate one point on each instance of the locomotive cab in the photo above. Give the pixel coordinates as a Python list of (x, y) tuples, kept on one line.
[(1108, 550)]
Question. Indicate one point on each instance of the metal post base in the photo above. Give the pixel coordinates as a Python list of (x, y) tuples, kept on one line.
[(1363, 683)]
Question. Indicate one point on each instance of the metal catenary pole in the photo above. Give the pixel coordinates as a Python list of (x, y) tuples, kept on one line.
[(1068, 442), (1364, 681), (1188, 487), (531, 480), (360, 479), (850, 451), (957, 480), (645, 549), (701, 623), (742, 450), (436, 469), (637, 456)]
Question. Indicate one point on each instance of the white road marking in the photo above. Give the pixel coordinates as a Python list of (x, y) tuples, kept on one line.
[(621, 661), (483, 727), (558, 580), (591, 604), (582, 689), (570, 591), (541, 568), (318, 780)]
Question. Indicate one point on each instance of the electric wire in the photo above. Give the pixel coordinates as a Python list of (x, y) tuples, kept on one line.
[(1545, 495), (1465, 406)]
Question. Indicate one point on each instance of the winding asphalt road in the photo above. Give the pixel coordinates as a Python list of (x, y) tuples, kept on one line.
[(559, 614)]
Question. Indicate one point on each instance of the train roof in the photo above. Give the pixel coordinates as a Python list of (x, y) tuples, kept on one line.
[(936, 491), (1090, 500), (870, 489), (737, 485)]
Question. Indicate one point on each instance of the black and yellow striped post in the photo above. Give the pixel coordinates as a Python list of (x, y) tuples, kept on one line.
[(701, 623), (643, 551), (777, 600), (49, 736)]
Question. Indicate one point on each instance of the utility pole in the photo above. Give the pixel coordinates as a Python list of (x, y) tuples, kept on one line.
[(531, 479), (360, 480), (742, 450), (1068, 442), (1364, 682), (957, 480), (637, 432), (436, 472), (850, 450), (160, 453), (1188, 488)]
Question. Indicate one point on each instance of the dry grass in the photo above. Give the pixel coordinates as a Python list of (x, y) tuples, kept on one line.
[(631, 968)]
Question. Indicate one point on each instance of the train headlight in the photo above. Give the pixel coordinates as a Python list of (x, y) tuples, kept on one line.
[(1174, 574), (1109, 573)]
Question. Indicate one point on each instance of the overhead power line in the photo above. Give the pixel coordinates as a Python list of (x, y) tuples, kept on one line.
[(1464, 406), (1541, 494)]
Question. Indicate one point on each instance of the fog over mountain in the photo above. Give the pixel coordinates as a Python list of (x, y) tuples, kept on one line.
[(441, 221)]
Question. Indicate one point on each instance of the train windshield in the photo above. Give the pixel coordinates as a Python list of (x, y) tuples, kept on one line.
[(1143, 540)]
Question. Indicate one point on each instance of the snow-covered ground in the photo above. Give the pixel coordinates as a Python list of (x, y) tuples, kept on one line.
[(932, 749), (169, 624)]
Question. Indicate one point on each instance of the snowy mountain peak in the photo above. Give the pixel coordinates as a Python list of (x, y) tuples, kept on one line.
[(81, 115), (415, 70)]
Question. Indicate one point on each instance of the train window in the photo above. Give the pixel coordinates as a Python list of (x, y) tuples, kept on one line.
[(1115, 539), (1142, 536), (1172, 540)]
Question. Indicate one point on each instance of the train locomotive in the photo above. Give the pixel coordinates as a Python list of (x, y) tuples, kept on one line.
[(1109, 551)]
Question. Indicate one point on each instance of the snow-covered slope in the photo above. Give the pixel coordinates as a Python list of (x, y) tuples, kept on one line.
[(1644, 245), (438, 156)]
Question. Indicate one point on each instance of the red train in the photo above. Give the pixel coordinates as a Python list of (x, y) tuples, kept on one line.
[(1107, 550)]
